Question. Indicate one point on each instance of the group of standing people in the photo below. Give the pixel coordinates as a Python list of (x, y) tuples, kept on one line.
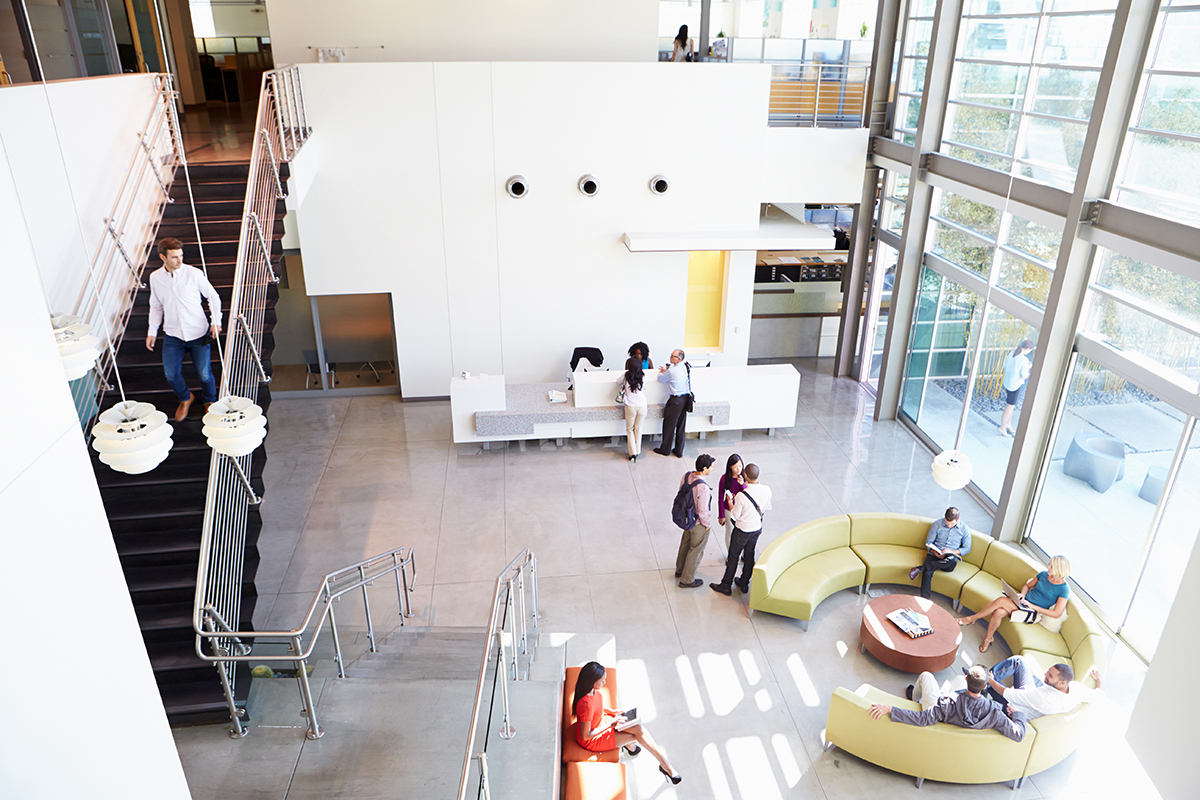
[(631, 392)]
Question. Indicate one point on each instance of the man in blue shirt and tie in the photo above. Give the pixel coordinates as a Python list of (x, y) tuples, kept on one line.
[(678, 378), (948, 541)]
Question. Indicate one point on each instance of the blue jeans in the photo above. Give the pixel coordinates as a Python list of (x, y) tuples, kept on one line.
[(1017, 668), (173, 350)]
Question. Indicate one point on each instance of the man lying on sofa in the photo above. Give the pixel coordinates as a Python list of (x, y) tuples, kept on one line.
[(959, 703), (1034, 697)]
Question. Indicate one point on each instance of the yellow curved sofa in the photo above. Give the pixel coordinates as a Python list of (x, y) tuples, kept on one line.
[(812, 561)]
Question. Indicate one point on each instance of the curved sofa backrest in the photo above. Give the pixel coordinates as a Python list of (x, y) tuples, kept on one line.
[(1015, 567), (980, 543), (802, 541), (1078, 624), (878, 527)]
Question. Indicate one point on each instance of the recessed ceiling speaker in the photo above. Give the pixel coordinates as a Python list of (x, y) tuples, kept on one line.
[(516, 187), (659, 184), (588, 185)]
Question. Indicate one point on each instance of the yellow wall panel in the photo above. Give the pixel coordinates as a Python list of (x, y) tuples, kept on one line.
[(705, 299)]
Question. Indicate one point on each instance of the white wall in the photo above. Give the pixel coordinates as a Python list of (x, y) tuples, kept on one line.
[(405, 194), (83, 714), (465, 30), (815, 165), (1162, 729), (70, 144)]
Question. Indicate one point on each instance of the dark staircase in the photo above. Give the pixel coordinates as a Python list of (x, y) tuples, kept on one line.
[(156, 517)]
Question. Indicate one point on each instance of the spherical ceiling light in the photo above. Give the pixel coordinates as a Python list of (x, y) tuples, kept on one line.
[(235, 426), (78, 347), (952, 469), (132, 437)]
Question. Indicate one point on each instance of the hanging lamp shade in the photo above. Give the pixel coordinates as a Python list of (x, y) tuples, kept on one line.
[(78, 347), (235, 426), (132, 437), (952, 469)]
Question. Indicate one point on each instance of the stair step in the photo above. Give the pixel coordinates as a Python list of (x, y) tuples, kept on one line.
[(212, 230)]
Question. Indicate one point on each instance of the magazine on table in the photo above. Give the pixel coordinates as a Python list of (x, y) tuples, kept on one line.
[(913, 623)]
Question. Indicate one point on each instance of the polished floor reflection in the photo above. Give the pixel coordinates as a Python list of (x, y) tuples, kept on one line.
[(739, 703), (217, 131)]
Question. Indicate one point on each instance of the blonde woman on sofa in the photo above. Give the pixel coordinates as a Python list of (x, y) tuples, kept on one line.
[(1046, 593)]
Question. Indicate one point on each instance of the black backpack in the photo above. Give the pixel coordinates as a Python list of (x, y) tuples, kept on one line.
[(683, 510)]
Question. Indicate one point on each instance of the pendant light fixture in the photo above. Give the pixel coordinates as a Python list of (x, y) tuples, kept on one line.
[(235, 426), (952, 469), (132, 437), (78, 347)]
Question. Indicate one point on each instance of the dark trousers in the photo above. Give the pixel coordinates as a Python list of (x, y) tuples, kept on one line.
[(933, 564), (674, 424), (741, 544), (173, 350)]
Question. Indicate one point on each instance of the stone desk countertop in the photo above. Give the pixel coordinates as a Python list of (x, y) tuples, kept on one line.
[(527, 405)]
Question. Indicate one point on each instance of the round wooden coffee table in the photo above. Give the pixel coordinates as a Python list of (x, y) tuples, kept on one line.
[(930, 653)]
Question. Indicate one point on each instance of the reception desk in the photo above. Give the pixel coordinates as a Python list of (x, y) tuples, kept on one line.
[(486, 409)]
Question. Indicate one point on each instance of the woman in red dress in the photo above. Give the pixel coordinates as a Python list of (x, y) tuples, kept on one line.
[(596, 731)]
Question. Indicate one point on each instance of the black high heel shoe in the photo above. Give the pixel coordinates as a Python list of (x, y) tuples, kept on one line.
[(675, 779), (637, 748)]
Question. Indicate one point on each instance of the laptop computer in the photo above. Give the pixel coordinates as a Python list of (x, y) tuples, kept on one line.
[(631, 719), (1014, 595)]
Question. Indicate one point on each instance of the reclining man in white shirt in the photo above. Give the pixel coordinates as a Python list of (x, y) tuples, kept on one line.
[(1055, 693), (175, 292)]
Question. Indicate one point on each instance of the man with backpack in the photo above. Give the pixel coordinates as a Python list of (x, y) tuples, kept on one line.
[(747, 515), (690, 512)]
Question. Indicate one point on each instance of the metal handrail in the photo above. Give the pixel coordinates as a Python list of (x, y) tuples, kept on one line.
[(229, 494), (106, 296), (228, 645), (511, 577)]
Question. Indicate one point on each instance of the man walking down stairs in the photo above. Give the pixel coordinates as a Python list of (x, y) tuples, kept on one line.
[(156, 517)]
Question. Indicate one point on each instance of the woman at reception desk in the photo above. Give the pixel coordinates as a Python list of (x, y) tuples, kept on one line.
[(485, 408)]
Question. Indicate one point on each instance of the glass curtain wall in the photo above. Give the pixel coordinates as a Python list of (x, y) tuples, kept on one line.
[(1119, 486)]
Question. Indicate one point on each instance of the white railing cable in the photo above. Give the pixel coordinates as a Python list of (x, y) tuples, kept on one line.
[(223, 536)]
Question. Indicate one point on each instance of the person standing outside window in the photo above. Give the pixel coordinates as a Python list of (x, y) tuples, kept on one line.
[(175, 292), (1016, 373), (678, 377)]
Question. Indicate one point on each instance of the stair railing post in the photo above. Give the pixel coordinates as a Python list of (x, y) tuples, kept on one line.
[(483, 775), (263, 377), (275, 88), (337, 642), (362, 576), (507, 731), (236, 730), (253, 499), (262, 240), (310, 707), (294, 110), (280, 194), (533, 584), (521, 616)]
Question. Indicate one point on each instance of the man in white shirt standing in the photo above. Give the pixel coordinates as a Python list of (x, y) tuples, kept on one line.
[(747, 515), (175, 293)]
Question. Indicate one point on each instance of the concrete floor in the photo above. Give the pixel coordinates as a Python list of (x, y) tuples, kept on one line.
[(739, 704)]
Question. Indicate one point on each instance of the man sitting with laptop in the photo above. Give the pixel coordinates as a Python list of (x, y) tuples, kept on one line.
[(948, 541)]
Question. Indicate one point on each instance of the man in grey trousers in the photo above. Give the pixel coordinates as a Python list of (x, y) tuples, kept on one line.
[(691, 544)]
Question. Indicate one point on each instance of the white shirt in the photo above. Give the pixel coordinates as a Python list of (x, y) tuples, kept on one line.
[(744, 517), (633, 398), (175, 303), (1016, 371), (1038, 701)]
